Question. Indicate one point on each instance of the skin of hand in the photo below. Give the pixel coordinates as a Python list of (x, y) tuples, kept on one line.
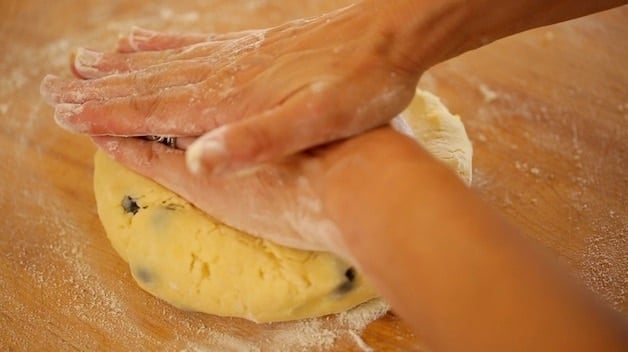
[(273, 201), (461, 276), (256, 96)]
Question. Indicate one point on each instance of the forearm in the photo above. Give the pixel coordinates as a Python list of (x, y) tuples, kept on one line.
[(426, 32), (449, 266)]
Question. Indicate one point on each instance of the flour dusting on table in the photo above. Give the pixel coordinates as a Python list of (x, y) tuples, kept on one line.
[(66, 266)]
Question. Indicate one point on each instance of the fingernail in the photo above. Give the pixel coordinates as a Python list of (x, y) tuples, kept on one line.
[(86, 62), (140, 36), (207, 154), (47, 91), (63, 114), (87, 58)]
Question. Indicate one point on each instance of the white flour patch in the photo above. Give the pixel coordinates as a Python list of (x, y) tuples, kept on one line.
[(605, 264), (488, 94), (4, 108), (317, 334)]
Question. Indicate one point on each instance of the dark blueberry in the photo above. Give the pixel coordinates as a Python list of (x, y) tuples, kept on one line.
[(143, 275), (347, 285), (350, 274), (130, 205)]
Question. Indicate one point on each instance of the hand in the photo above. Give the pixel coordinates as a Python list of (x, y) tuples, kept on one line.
[(273, 201), (253, 96), (282, 201)]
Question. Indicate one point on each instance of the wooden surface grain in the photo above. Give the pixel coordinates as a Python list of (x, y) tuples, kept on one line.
[(547, 111)]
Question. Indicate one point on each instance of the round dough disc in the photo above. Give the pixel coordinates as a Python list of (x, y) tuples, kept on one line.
[(181, 255)]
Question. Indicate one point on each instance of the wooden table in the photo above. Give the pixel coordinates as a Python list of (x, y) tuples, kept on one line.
[(547, 111)]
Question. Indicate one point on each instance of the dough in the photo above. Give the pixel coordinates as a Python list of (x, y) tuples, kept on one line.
[(440, 133), (190, 260)]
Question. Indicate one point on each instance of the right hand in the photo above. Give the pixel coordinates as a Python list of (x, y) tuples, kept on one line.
[(285, 201)]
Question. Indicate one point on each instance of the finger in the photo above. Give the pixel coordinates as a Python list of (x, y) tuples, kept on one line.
[(266, 193), (151, 159), (144, 82), (304, 121), (171, 114), (92, 64), (141, 39), (309, 116), (186, 110)]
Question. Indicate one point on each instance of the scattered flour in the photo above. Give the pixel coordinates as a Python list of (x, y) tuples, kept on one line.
[(544, 145), (4, 108), (605, 263), (317, 334), (58, 252), (488, 94), (61, 253)]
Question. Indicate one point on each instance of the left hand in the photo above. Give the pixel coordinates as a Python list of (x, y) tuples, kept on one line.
[(254, 96)]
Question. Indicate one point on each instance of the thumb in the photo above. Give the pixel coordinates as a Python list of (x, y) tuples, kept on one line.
[(289, 128)]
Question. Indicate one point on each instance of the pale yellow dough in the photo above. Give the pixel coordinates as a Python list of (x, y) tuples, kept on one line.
[(190, 260)]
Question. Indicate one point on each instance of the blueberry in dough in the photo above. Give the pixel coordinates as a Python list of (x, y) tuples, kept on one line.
[(129, 205), (350, 274), (349, 283), (144, 275)]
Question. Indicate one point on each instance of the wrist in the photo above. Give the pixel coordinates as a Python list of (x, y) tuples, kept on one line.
[(361, 181), (420, 33)]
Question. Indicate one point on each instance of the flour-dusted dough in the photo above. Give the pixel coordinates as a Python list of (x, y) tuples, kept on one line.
[(185, 257), (440, 133)]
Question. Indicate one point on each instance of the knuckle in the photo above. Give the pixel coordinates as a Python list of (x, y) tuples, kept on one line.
[(146, 106)]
